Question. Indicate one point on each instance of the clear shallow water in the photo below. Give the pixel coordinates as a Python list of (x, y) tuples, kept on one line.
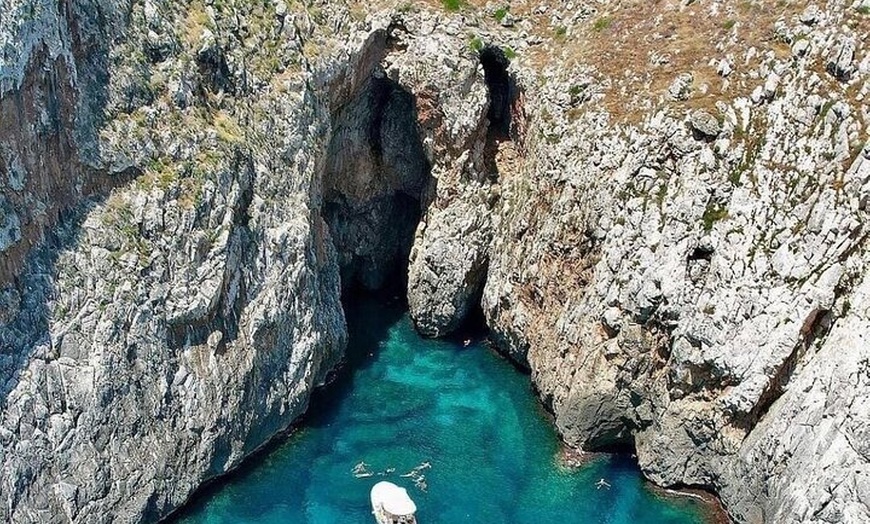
[(404, 400)]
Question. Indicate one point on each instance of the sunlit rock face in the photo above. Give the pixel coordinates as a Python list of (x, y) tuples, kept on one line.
[(672, 242)]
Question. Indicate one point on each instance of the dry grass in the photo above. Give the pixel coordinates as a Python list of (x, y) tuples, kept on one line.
[(687, 39), (620, 39), (195, 22), (228, 130)]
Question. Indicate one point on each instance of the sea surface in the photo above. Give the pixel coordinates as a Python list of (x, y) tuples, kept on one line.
[(404, 401)]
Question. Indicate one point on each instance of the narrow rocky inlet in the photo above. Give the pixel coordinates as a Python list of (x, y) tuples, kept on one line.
[(403, 401), (656, 209)]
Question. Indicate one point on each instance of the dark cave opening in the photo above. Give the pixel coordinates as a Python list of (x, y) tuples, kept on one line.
[(502, 91), (375, 176), (505, 134)]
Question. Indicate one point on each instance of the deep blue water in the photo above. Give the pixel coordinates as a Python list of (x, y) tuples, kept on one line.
[(404, 400)]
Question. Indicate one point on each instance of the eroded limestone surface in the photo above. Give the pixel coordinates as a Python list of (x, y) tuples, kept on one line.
[(669, 231)]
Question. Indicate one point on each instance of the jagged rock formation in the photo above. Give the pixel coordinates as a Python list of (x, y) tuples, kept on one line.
[(447, 263), (678, 254)]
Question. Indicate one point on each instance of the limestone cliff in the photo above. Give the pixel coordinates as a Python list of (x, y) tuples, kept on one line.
[(158, 334), (660, 209)]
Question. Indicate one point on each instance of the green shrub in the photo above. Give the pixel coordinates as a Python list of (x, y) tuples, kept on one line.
[(453, 5), (713, 214), (602, 23), (476, 44), (735, 176)]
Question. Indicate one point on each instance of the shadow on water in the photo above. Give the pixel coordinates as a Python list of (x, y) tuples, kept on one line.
[(367, 328)]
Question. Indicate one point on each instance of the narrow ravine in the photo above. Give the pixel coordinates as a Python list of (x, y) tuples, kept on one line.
[(403, 400)]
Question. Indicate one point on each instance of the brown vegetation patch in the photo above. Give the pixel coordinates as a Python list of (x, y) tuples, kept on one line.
[(639, 47)]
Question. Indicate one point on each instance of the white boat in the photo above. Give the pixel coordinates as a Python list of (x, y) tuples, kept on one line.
[(392, 505)]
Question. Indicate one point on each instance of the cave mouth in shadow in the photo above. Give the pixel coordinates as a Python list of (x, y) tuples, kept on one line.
[(502, 91), (376, 184), (375, 176), (505, 135)]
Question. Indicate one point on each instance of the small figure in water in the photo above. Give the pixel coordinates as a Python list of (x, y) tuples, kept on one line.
[(361, 470), (602, 484), (416, 471), (420, 482), (466, 343)]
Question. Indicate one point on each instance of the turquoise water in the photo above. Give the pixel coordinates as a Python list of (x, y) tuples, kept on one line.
[(403, 401)]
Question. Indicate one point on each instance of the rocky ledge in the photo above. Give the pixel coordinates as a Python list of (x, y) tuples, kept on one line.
[(660, 210)]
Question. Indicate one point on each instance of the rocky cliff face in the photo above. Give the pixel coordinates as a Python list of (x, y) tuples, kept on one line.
[(156, 335), (681, 284), (677, 252)]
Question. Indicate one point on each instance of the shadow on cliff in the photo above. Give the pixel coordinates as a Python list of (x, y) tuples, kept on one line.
[(375, 178), (28, 334), (506, 115), (502, 90)]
